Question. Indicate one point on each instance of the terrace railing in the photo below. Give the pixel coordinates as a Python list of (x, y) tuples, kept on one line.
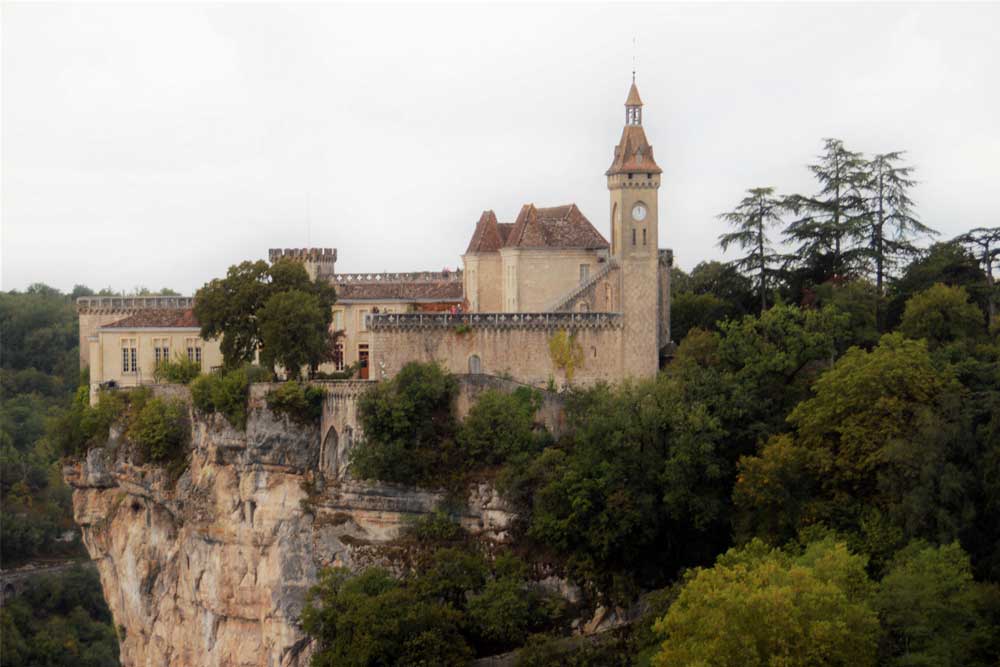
[(391, 321)]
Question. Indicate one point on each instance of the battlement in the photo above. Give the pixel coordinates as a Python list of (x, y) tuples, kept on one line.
[(324, 255), (128, 304), (388, 321), (403, 277)]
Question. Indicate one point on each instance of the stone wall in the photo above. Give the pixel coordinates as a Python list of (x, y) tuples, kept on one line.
[(520, 351), (551, 414)]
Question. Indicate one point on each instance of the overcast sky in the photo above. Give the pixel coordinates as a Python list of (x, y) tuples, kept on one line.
[(156, 145)]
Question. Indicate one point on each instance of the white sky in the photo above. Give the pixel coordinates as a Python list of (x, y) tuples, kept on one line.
[(158, 144)]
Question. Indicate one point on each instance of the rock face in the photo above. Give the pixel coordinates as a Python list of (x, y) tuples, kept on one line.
[(213, 568)]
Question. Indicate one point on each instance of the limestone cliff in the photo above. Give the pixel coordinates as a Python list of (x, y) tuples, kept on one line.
[(212, 568)]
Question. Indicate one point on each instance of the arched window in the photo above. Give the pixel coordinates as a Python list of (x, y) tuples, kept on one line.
[(475, 365)]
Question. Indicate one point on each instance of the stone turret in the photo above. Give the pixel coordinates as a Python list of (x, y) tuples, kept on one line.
[(319, 262)]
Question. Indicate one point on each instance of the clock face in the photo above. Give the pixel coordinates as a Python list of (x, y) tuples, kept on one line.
[(639, 212)]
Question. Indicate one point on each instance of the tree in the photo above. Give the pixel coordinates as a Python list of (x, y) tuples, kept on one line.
[(751, 218), (932, 609), (891, 223), (759, 606), (941, 315), (949, 263), (986, 242), (826, 234), (295, 332), (229, 307), (500, 426), (409, 427)]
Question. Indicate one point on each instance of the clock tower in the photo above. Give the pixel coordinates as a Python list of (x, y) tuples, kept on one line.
[(633, 184)]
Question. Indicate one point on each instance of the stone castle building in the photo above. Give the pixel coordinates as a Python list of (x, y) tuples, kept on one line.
[(543, 299)]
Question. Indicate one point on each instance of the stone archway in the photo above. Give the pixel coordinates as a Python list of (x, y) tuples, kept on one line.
[(344, 453), (330, 454)]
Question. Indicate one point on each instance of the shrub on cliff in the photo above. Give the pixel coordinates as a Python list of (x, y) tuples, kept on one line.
[(227, 392), (409, 427), (179, 371), (82, 426), (500, 426), (160, 429), (303, 404)]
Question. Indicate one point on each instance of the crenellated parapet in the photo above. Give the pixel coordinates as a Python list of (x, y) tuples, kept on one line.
[(323, 255), (400, 277), (542, 321)]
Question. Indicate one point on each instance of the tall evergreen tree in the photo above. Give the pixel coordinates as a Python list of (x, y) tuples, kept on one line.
[(985, 243), (751, 218), (825, 235), (889, 225)]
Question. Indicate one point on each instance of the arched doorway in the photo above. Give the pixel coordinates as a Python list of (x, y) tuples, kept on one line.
[(475, 365)]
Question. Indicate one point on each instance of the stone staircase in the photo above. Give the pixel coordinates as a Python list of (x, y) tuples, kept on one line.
[(562, 303)]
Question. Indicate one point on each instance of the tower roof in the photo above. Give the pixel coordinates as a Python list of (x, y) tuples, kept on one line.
[(633, 97), (633, 154), (487, 237)]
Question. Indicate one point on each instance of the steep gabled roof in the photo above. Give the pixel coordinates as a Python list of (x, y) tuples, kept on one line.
[(487, 237), (633, 154), (157, 318), (633, 97), (555, 227)]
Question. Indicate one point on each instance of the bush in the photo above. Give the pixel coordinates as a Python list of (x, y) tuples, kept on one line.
[(941, 315), (160, 429), (303, 404), (409, 427), (82, 426), (501, 426), (180, 371), (227, 392), (436, 527)]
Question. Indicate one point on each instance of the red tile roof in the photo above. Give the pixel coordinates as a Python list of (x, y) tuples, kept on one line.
[(555, 227), (157, 318), (487, 237), (633, 154)]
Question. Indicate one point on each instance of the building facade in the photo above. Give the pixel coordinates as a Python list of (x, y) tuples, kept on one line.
[(544, 299)]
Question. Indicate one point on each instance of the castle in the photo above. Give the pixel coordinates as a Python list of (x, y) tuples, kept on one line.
[(544, 299)]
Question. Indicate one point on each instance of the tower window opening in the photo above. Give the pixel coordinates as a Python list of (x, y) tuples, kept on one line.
[(649, 175), (633, 236), (643, 236), (630, 177)]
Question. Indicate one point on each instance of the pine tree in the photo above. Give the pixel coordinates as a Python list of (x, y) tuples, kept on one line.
[(751, 218), (985, 243), (889, 225), (827, 232)]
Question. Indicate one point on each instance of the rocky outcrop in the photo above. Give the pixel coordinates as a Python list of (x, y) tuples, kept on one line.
[(212, 568)]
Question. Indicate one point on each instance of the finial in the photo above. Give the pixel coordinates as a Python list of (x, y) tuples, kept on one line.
[(633, 58)]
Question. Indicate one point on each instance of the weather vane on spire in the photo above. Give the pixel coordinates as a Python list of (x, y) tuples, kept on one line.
[(633, 58)]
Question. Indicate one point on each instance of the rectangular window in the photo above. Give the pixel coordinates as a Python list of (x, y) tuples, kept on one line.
[(338, 356), (584, 272), (193, 346), (363, 320), (161, 350), (633, 236), (129, 356), (338, 320), (643, 236)]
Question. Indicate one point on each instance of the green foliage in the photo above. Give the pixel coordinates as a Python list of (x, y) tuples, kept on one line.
[(641, 469), (443, 614), (932, 610), (946, 263), (566, 353), (179, 371), (773, 608), (160, 430), (227, 392), (689, 311), (545, 650), (501, 426), (409, 427), (941, 315), (294, 331), (61, 620), (232, 307), (751, 218), (302, 403), (437, 527)]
